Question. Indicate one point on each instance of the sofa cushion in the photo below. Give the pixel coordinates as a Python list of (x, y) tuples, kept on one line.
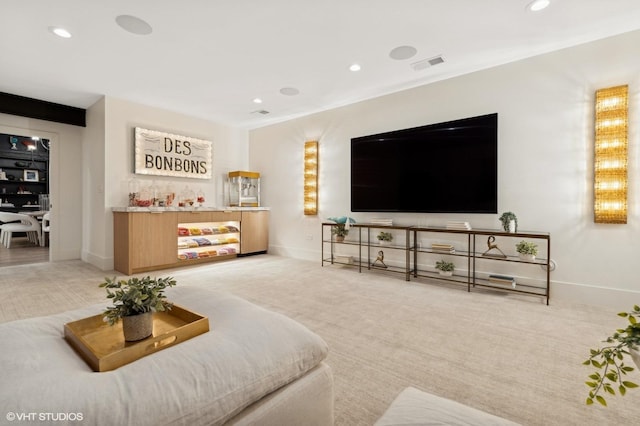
[(248, 353)]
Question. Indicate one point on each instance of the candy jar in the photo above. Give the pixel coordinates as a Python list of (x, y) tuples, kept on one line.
[(145, 197), (187, 198), (157, 199), (170, 195), (200, 198), (134, 189)]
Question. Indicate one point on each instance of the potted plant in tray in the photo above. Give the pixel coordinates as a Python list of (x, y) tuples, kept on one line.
[(445, 268), (527, 250), (509, 222), (609, 359), (384, 238), (134, 301), (340, 231)]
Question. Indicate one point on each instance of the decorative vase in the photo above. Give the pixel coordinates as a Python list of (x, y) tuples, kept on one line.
[(527, 257), (512, 226), (137, 327)]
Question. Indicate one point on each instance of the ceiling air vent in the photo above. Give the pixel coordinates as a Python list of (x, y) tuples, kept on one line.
[(261, 111), (426, 63)]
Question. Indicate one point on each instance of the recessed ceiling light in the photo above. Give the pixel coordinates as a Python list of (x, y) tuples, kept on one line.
[(60, 32), (403, 52), (354, 67), (257, 101), (289, 91), (133, 25), (537, 5)]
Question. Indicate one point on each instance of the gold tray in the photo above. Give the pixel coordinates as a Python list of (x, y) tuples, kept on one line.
[(103, 346)]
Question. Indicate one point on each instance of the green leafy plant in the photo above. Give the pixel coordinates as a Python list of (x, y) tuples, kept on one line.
[(527, 247), (339, 230), (609, 359), (444, 266), (506, 218), (136, 296), (384, 236)]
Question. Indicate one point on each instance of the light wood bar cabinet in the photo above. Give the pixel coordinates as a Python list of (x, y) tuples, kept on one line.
[(146, 240)]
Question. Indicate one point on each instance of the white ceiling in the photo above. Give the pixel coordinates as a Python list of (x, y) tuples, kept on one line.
[(211, 58)]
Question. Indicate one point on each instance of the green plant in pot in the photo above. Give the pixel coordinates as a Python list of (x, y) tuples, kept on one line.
[(527, 250), (384, 237), (340, 231), (509, 222), (444, 267), (134, 301), (610, 360)]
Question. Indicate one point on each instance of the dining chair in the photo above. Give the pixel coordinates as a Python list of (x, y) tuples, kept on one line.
[(16, 222), (46, 224)]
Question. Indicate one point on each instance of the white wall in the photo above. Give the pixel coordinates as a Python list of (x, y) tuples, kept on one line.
[(545, 107), (94, 232), (65, 184), (109, 156)]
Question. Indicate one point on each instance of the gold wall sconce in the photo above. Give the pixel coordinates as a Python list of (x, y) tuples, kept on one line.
[(311, 178), (610, 159)]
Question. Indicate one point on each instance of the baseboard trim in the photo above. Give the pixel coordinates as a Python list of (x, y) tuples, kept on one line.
[(102, 263), (585, 294)]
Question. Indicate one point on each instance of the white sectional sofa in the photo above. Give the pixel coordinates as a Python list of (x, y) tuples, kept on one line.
[(254, 366)]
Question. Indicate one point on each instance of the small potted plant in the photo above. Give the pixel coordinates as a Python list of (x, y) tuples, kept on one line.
[(445, 268), (610, 360), (134, 301), (509, 222), (527, 250), (340, 231), (384, 238)]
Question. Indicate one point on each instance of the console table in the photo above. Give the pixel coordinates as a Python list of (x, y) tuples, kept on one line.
[(468, 247)]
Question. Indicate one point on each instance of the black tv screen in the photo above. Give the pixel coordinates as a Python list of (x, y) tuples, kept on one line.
[(449, 167)]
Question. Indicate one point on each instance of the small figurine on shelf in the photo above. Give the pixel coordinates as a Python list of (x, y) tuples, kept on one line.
[(379, 259), (491, 244)]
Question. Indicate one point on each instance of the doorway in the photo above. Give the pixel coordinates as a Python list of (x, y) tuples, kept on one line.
[(25, 189)]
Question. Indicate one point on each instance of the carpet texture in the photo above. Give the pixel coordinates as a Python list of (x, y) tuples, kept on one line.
[(509, 355)]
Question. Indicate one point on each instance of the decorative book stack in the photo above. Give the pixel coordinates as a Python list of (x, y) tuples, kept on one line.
[(442, 248), (502, 279), (463, 226)]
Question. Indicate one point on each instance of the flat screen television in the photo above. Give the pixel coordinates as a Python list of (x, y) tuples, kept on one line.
[(449, 167)]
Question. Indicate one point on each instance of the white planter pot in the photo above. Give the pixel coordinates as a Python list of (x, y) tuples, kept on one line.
[(446, 273), (512, 226), (384, 243), (527, 257)]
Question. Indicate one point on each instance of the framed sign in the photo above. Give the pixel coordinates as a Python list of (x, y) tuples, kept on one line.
[(165, 154), (30, 176)]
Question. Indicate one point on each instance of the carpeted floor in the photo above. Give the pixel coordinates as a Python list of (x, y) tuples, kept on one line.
[(507, 354)]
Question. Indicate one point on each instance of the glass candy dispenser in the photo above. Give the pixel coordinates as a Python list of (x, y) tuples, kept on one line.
[(244, 189), (187, 197)]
